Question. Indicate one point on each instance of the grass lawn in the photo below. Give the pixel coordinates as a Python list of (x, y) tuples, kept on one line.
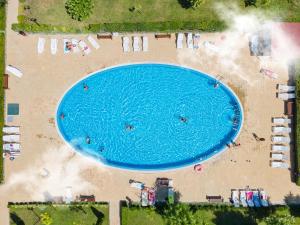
[(61, 215), (117, 11), (210, 215), (2, 65), (2, 61)]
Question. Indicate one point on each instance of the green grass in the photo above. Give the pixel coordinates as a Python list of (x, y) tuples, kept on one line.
[(87, 214), (212, 215), (297, 123), (117, 11), (2, 65)]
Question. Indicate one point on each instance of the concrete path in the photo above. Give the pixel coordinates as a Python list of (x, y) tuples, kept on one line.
[(114, 213)]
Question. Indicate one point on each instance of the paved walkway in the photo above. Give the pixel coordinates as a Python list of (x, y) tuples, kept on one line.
[(114, 213)]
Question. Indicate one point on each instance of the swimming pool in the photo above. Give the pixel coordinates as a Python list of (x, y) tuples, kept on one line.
[(149, 116)]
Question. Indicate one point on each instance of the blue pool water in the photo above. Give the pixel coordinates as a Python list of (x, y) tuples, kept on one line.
[(149, 116)]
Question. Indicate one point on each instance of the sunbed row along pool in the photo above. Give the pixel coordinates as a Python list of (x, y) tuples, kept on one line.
[(149, 116)]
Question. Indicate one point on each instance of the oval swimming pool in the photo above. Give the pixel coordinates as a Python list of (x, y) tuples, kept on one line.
[(149, 116)]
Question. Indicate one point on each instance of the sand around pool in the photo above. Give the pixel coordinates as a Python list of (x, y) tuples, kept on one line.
[(47, 166)]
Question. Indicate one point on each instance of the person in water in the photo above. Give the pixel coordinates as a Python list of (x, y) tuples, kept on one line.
[(88, 140), (129, 127), (85, 87), (62, 116), (216, 85), (183, 119)]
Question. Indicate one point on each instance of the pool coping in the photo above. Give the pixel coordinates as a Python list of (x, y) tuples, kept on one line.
[(104, 164)]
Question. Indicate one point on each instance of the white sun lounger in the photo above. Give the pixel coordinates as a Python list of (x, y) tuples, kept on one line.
[(12, 147), (281, 129), (179, 40), (13, 70), (286, 88), (235, 198), (281, 139), (196, 40), (189, 40), (125, 44), (145, 43), (41, 45), (11, 130), (286, 96), (279, 165), (75, 45), (278, 156), (282, 148), (243, 198), (93, 42), (53, 46), (66, 50), (86, 50), (136, 47), (280, 120), (11, 138), (211, 46)]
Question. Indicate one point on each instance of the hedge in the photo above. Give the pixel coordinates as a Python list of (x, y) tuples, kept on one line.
[(169, 26), (297, 125)]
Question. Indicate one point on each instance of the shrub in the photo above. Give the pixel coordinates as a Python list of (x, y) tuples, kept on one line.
[(46, 219), (22, 19), (297, 125), (280, 220), (168, 26), (250, 2), (195, 3), (79, 9)]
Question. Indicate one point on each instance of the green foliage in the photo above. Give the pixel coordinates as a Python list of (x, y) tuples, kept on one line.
[(266, 2), (46, 219), (250, 2), (280, 220), (170, 26), (22, 19), (2, 3), (2, 65), (195, 3), (297, 125), (79, 9), (179, 214)]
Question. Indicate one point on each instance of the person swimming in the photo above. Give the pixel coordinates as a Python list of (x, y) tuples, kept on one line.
[(85, 87), (216, 85), (183, 119), (129, 127), (88, 140), (62, 116)]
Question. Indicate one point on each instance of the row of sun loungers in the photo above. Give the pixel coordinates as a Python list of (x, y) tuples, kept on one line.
[(135, 44), (249, 198), (68, 45), (11, 139), (192, 41), (286, 92), (278, 148)]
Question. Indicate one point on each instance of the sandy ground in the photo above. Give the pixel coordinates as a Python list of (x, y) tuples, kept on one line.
[(47, 77)]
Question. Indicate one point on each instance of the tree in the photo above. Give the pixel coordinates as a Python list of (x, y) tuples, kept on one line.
[(46, 219), (2, 3), (179, 214), (250, 2), (79, 9), (280, 220), (195, 3)]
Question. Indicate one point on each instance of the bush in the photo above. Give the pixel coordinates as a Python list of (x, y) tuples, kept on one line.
[(297, 125), (79, 9), (169, 26), (195, 3), (2, 63), (22, 19)]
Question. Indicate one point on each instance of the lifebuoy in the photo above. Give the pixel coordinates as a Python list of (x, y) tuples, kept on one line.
[(198, 168)]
